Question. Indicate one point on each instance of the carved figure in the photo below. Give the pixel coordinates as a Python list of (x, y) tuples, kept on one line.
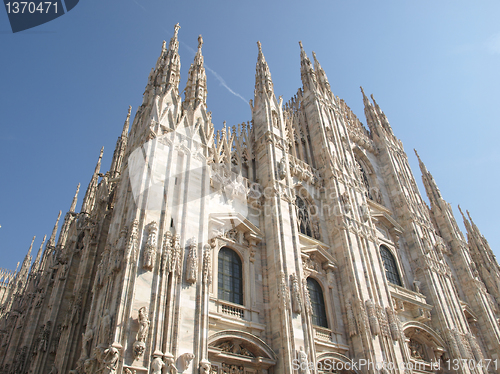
[(88, 366), (157, 365), (185, 360), (143, 324), (372, 317), (192, 262), (205, 366), (207, 265), (282, 169), (167, 253), (303, 361), (351, 320), (150, 248), (111, 356), (105, 326), (87, 337), (416, 286), (296, 298), (170, 363)]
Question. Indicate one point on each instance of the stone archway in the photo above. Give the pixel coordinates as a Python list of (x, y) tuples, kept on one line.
[(239, 352)]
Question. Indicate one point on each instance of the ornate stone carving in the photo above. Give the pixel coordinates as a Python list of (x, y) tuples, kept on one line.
[(307, 297), (132, 246), (149, 255), (393, 324), (139, 345), (382, 320), (303, 361), (351, 321), (185, 360), (192, 262), (207, 264), (282, 169), (231, 369), (177, 257), (283, 291), (205, 366), (416, 349), (86, 342), (105, 327), (167, 253), (372, 317), (157, 365), (169, 363), (110, 360), (296, 296), (346, 201)]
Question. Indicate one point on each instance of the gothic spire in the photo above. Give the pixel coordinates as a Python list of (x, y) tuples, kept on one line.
[(322, 78), (263, 81), (166, 73), (370, 113), (88, 200), (23, 272), (171, 73), (196, 86), (381, 115), (75, 199), (307, 73), (121, 144), (36, 263), (430, 185), (52, 239), (51, 243)]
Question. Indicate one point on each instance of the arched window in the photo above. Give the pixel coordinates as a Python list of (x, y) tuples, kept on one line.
[(317, 303), (307, 226), (365, 180), (391, 270), (230, 277), (303, 217)]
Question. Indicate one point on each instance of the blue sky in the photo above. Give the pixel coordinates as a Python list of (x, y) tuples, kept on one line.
[(433, 67)]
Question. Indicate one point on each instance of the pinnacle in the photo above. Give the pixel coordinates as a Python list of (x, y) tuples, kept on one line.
[(75, 198)]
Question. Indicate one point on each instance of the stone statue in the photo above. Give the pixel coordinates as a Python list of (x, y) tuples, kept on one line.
[(157, 365), (170, 364), (296, 297), (303, 362), (205, 366), (111, 356), (192, 262), (143, 324), (416, 285), (185, 360), (150, 249), (88, 366), (105, 326), (86, 338)]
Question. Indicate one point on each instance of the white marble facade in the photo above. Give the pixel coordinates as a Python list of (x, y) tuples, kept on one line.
[(249, 250)]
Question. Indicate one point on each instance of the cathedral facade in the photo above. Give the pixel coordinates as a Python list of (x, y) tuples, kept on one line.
[(294, 243)]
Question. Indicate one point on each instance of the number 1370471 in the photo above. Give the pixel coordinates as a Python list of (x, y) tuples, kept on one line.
[(31, 7)]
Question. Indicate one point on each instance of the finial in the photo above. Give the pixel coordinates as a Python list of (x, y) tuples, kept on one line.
[(129, 110), (52, 238), (75, 199), (300, 43), (31, 246), (259, 46), (314, 55), (164, 45), (362, 91), (200, 42), (176, 29), (416, 153)]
